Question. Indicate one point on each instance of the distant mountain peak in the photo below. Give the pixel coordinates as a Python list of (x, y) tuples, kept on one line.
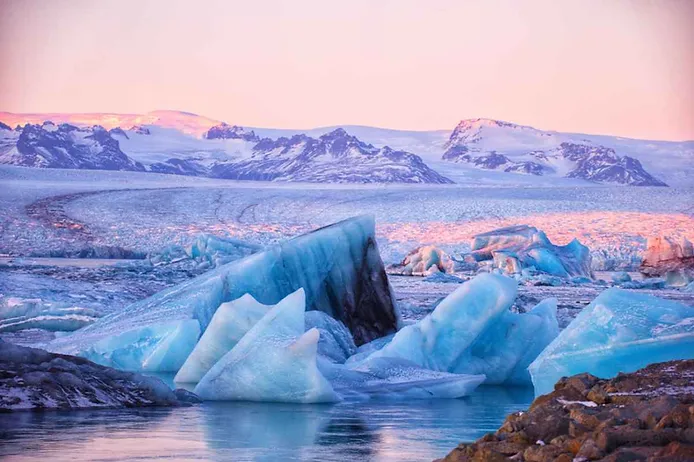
[(225, 131)]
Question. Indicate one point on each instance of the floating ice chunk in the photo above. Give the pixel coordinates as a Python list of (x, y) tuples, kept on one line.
[(473, 332), (205, 249), (517, 247), (620, 277), (444, 278), (648, 283), (217, 251), (155, 348), (438, 341), (229, 324), (338, 266), (274, 361), (424, 261), (505, 349), (394, 379), (21, 313), (619, 331), (335, 341)]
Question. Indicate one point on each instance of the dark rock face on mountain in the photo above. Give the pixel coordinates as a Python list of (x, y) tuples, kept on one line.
[(140, 130), (5, 126), (32, 379), (492, 161), (176, 166), (67, 146), (335, 157), (645, 415), (231, 132), (528, 168), (601, 164)]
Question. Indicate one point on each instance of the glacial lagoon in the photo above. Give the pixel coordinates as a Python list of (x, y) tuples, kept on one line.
[(418, 430)]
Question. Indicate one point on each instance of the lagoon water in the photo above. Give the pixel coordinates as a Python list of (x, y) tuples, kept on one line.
[(366, 431)]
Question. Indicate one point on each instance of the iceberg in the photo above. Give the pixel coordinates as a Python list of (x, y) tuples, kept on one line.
[(338, 266), (22, 313), (669, 258), (620, 331), (154, 348), (396, 379), (473, 332), (517, 247), (424, 261), (230, 323), (274, 361), (335, 341), (206, 250)]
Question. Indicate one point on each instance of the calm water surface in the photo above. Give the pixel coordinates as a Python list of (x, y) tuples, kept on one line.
[(371, 431)]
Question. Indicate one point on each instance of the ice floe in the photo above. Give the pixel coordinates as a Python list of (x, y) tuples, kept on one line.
[(620, 331)]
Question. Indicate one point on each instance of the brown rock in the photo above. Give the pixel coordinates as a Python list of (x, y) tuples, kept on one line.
[(674, 452), (598, 395), (590, 450), (546, 453)]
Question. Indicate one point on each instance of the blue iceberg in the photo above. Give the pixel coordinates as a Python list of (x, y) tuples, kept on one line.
[(154, 348), (473, 332), (517, 247), (230, 323), (274, 361), (338, 266), (620, 331), (335, 341)]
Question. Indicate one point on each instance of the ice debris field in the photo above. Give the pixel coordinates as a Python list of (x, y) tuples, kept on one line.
[(262, 292), (314, 319)]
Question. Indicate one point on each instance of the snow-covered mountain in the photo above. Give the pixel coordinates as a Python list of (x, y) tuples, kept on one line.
[(224, 151), (63, 146), (476, 151), (335, 157), (530, 151)]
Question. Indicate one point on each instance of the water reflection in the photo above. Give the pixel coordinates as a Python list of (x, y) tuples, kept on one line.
[(369, 431)]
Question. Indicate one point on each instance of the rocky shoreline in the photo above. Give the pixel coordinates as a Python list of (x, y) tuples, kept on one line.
[(647, 415), (36, 380)]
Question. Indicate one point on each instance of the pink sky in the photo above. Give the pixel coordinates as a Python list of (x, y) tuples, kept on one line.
[(613, 67)]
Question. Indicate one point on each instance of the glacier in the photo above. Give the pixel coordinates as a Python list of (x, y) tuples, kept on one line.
[(515, 248), (274, 361), (473, 332), (620, 331), (338, 266)]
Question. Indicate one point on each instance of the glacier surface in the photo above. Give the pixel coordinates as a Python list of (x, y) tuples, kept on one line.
[(620, 331)]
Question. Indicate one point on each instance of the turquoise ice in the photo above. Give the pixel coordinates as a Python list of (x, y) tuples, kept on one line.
[(230, 323), (274, 361), (472, 331), (620, 331)]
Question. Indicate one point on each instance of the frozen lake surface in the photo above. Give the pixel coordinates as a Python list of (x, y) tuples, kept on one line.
[(370, 431)]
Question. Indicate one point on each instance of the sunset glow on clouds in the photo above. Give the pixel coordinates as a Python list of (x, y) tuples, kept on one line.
[(615, 67)]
